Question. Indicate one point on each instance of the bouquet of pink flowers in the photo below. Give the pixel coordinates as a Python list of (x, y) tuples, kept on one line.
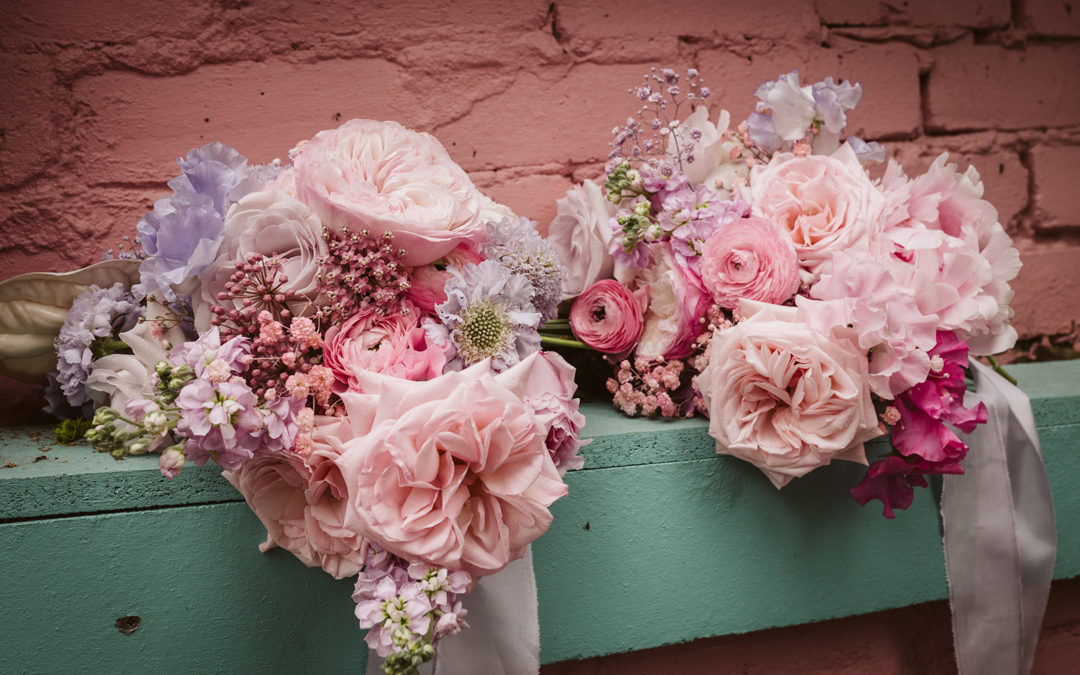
[(758, 275), (354, 339)]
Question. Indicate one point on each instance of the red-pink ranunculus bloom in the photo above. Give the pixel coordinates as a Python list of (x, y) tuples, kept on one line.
[(608, 316)]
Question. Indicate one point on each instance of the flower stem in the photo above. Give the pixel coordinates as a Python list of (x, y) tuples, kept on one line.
[(552, 341), (1001, 371)]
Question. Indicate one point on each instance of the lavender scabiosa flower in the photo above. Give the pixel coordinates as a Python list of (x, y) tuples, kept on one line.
[(489, 314), (90, 331), (517, 245)]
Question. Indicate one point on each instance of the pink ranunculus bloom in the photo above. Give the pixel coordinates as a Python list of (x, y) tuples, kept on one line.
[(824, 203), (677, 306), (545, 382), (427, 283), (368, 341), (301, 501), (749, 259), (452, 472), (785, 397), (381, 176), (609, 317)]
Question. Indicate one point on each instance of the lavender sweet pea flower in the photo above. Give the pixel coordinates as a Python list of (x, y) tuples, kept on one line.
[(787, 110), (182, 234), (866, 152)]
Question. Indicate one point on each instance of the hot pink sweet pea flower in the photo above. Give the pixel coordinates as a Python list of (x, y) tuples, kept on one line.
[(784, 397), (452, 472), (824, 203), (677, 306), (381, 176), (301, 501), (749, 259), (608, 316)]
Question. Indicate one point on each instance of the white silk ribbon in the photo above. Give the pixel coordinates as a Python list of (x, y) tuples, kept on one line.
[(999, 535)]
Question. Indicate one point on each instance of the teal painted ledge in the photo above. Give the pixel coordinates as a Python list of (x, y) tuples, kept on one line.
[(660, 541)]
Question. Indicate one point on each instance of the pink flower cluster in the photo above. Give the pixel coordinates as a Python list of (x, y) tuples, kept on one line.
[(800, 296)]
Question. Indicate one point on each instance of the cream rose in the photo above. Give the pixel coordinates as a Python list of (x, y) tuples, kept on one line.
[(581, 236), (268, 223), (784, 397), (825, 204), (380, 176)]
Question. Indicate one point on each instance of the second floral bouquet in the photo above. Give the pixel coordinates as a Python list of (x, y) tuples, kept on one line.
[(758, 275)]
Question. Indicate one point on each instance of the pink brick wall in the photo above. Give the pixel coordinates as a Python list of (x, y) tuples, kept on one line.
[(99, 97)]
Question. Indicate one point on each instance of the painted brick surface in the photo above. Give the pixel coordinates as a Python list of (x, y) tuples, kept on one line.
[(975, 86), (1058, 204)]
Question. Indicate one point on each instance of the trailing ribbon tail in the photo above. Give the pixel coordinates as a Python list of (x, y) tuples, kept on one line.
[(999, 535)]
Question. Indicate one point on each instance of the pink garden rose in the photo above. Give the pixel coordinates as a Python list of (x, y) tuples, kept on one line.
[(677, 305), (608, 316), (581, 235), (784, 397), (381, 176), (824, 203), (268, 223), (545, 382), (301, 501), (452, 472), (393, 344), (749, 259)]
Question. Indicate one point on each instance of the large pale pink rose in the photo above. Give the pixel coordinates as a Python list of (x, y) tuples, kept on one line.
[(452, 472), (545, 382), (381, 176), (393, 344), (609, 316), (824, 203), (677, 305), (268, 223), (301, 501), (581, 236), (784, 397), (749, 259)]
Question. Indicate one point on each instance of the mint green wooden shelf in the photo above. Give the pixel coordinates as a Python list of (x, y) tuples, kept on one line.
[(660, 541)]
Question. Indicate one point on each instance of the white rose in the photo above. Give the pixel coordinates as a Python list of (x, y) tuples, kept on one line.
[(381, 176), (268, 223), (712, 165), (581, 235)]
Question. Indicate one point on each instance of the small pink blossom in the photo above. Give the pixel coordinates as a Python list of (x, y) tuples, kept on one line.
[(608, 316), (749, 259)]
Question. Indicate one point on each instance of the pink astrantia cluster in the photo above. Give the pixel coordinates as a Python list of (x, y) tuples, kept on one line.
[(354, 339), (812, 307)]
